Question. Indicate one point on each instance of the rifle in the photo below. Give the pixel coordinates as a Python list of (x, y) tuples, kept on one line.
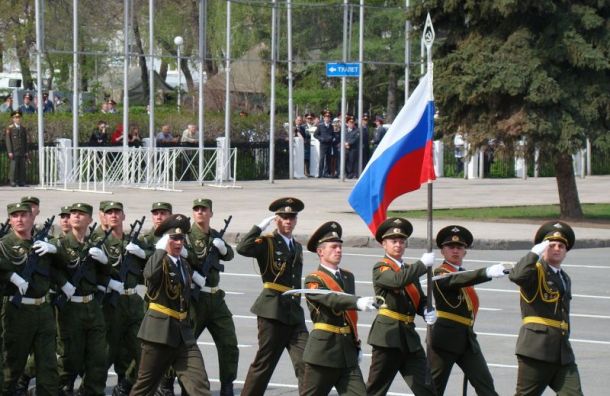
[(211, 260), (5, 227), (31, 264), (127, 264), (85, 261)]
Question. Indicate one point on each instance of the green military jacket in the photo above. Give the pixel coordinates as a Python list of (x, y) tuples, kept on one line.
[(198, 244), (325, 348), (118, 257), (14, 252), (69, 252), (16, 139), (449, 296), (543, 296), (277, 265), (169, 289), (148, 242), (387, 332)]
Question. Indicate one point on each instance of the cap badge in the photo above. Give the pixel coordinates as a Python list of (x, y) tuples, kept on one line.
[(557, 225), (333, 225), (179, 218), (78, 205), (289, 200), (334, 234), (288, 209), (455, 238), (178, 230), (158, 204), (18, 205), (396, 230), (455, 229), (398, 221)]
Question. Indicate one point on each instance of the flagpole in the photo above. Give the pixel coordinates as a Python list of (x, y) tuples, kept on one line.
[(427, 41)]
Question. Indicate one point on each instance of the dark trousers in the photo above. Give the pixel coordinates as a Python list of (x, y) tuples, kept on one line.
[(325, 159), (386, 362), (351, 163), (534, 376), (186, 360), (320, 380), (273, 337), (473, 365), (17, 170)]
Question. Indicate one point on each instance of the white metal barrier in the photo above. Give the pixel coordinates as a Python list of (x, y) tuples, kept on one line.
[(95, 169)]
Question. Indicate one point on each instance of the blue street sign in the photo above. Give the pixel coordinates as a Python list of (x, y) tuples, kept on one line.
[(342, 69)]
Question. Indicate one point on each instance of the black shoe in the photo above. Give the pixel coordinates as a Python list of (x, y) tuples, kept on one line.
[(166, 387), (226, 389), (122, 388)]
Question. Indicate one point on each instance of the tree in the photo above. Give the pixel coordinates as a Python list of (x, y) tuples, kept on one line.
[(533, 69)]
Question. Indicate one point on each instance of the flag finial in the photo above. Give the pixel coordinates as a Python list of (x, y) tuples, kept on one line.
[(428, 33)]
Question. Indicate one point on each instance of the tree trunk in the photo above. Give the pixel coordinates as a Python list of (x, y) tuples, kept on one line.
[(188, 77), (163, 69), (391, 104), (569, 203), (51, 71), (24, 63), (142, 58)]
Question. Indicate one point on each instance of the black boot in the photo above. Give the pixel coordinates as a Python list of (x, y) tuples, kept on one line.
[(21, 389), (226, 389), (122, 387), (166, 387)]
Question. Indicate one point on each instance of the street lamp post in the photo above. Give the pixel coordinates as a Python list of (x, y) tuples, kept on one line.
[(178, 41)]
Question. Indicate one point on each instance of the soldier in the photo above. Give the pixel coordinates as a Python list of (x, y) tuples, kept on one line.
[(160, 211), (82, 332), (333, 350), (210, 309), (324, 133), (101, 227), (166, 332), (16, 138), (396, 344), (29, 326), (453, 338), (27, 107), (352, 145), (280, 319), (123, 314), (544, 353), (64, 221), (34, 204)]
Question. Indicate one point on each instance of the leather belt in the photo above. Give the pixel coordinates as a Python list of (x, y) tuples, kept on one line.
[(332, 329), (396, 315), (276, 286), (168, 311), (82, 299), (33, 301), (455, 318), (560, 324)]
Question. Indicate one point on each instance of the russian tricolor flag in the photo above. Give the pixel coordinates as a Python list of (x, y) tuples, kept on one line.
[(403, 160)]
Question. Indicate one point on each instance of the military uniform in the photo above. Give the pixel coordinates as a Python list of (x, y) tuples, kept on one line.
[(210, 310), (543, 350), (166, 331), (396, 345), (325, 135), (16, 138), (281, 321), (28, 327), (453, 338), (82, 331)]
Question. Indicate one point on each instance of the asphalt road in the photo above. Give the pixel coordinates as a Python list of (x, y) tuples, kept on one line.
[(497, 323)]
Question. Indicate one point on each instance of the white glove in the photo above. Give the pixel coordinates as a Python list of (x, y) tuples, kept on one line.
[(183, 252), (68, 290), (98, 255), (198, 279), (495, 271), (540, 248), (141, 290), (162, 243), (21, 284), (41, 248), (360, 356), (427, 259), (116, 286), (134, 249), (366, 304), (220, 245), (265, 223), (430, 317)]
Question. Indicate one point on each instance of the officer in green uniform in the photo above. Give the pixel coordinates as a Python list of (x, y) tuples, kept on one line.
[(124, 313), (16, 138), (396, 344), (82, 331), (28, 326), (453, 338), (210, 310), (34, 203), (166, 331), (159, 211), (333, 349), (544, 353), (280, 319)]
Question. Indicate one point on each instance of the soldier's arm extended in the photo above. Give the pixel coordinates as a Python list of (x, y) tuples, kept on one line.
[(459, 280), (250, 245), (524, 273), (385, 277), (337, 302)]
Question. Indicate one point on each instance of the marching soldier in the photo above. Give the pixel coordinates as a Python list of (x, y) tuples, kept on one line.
[(101, 227), (281, 321), (166, 332), (453, 337), (544, 354), (16, 138), (210, 310), (160, 211), (124, 313), (64, 221), (333, 350), (28, 324), (82, 332), (396, 344)]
